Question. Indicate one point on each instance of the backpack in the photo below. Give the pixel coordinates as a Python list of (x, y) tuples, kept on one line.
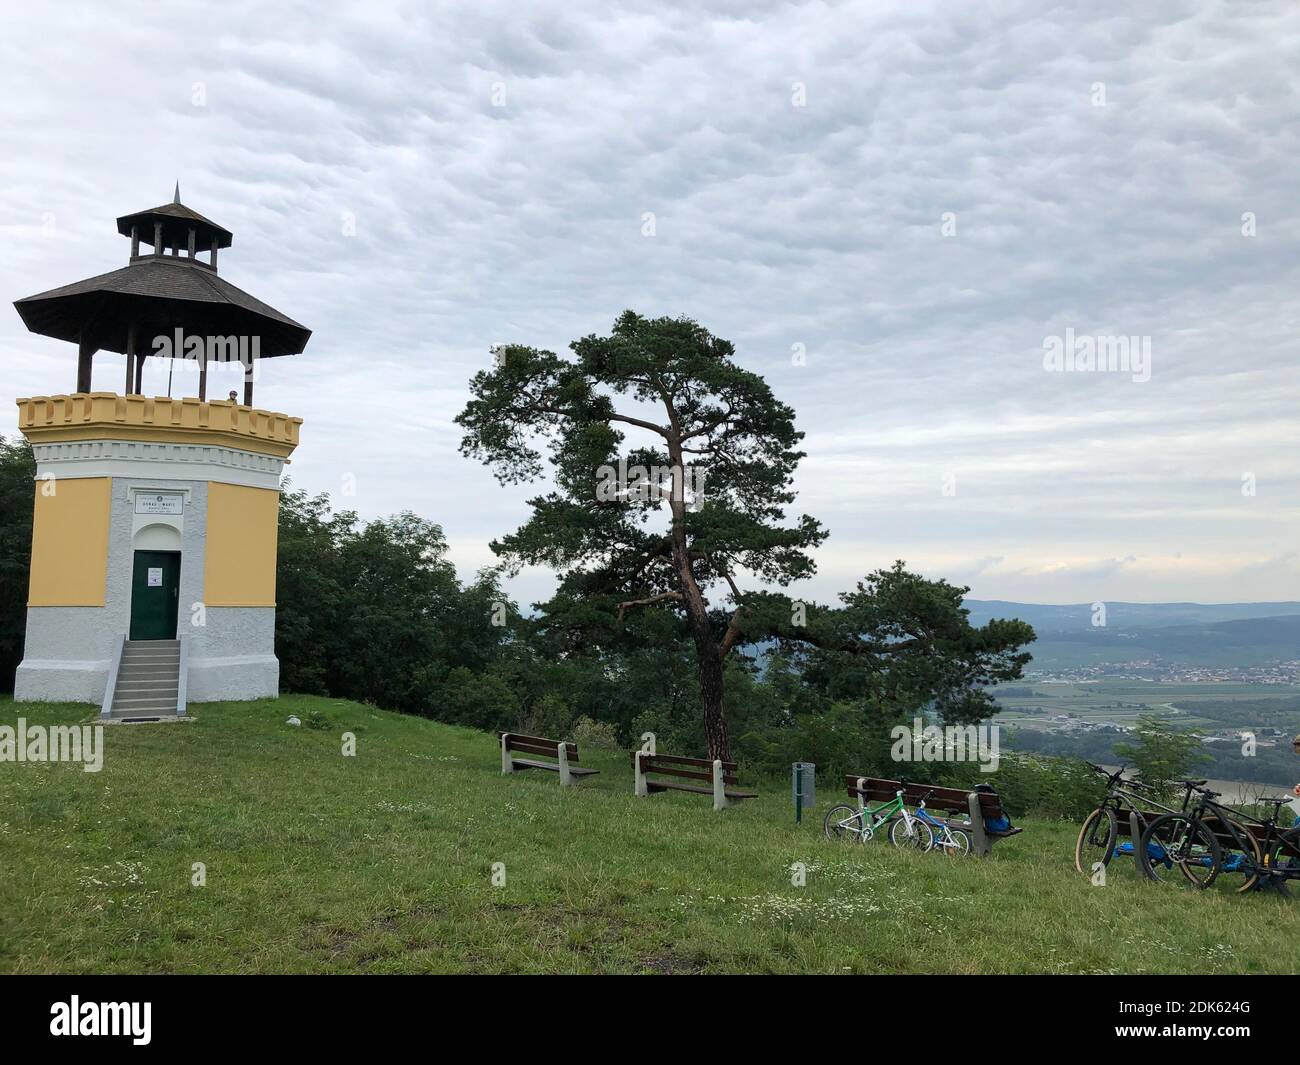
[(994, 824)]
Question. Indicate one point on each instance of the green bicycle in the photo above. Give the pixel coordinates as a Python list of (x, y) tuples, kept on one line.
[(849, 824)]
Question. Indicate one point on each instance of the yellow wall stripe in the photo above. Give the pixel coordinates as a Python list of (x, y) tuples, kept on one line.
[(241, 544), (70, 542)]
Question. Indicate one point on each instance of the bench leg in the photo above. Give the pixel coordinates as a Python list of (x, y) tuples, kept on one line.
[(566, 778), (639, 788), (980, 842), (720, 800), (862, 784), (507, 763)]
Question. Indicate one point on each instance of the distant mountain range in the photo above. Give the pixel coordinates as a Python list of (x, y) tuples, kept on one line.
[(1161, 635), (1073, 616)]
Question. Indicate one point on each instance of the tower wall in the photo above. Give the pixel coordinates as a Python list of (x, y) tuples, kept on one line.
[(103, 494)]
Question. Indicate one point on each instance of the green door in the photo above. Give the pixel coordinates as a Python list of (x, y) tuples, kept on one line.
[(155, 595)]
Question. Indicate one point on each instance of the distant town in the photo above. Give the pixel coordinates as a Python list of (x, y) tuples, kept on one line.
[(1153, 671)]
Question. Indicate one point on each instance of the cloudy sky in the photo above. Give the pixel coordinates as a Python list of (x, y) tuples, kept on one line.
[(890, 208)]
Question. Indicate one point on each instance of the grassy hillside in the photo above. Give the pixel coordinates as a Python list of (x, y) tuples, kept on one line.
[(382, 863)]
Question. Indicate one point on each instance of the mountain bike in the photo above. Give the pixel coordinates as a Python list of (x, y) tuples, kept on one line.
[(1211, 839), (845, 823), (1097, 840), (954, 842)]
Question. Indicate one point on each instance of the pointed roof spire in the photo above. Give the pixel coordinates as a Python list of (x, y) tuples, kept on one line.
[(177, 197)]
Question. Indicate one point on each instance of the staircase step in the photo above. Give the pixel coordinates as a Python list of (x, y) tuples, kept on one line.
[(148, 680)]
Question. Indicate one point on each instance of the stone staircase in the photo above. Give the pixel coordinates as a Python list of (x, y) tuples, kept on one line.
[(148, 680)]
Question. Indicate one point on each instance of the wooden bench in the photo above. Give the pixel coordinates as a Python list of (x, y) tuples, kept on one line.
[(720, 776), (976, 805), (1131, 822), (564, 753)]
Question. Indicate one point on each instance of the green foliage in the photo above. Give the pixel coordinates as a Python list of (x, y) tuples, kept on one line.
[(1161, 754), (17, 473), (897, 643), (594, 735), (1045, 787), (375, 612), (484, 702), (316, 721)]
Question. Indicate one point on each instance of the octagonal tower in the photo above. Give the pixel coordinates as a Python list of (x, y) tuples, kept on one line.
[(154, 531)]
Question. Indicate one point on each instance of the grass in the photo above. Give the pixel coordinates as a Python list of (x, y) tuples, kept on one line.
[(317, 863)]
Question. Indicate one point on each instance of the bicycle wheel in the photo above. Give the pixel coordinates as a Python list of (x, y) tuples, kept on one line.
[(918, 836), (1237, 861), (843, 824), (960, 846), (1176, 842), (1286, 858), (1096, 842)]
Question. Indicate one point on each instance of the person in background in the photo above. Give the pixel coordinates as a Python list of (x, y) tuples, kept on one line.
[(234, 396)]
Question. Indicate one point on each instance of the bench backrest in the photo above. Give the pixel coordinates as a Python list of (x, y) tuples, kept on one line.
[(1226, 840), (539, 745), (877, 789), (677, 766)]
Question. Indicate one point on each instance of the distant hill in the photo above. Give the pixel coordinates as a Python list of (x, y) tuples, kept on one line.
[(1186, 635), (1047, 617)]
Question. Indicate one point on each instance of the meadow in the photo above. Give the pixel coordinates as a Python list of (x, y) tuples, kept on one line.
[(314, 862)]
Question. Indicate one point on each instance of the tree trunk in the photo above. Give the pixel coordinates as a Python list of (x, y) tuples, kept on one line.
[(708, 660), (709, 666)]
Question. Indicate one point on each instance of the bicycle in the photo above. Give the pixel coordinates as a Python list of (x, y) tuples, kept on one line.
[(1100, 831), (845, 822), (955, 843), (1210, 839)]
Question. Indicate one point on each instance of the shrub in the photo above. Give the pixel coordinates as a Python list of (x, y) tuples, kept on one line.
[(598, 735)]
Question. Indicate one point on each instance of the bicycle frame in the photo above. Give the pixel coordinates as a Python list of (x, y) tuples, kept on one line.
[(870, 819), (884, 813), (943, 835), (1241, 863)]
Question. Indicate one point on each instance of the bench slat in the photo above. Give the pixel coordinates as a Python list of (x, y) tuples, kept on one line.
[(545, 741), (537, 748), (689, 774), (878, 789), (575, 770), (673, 759), (668, 785)]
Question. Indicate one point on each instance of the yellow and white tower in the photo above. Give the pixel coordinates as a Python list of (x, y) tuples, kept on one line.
[(154, 533)]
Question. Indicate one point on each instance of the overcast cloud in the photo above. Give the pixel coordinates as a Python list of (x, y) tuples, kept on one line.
[(498, 161)]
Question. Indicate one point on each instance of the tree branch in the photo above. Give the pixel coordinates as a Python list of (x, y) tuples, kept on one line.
[(648, 601)]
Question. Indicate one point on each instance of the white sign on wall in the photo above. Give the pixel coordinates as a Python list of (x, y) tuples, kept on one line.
[(158, 503), (155, 576)]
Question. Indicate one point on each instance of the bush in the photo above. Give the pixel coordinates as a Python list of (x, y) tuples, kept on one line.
[(598, 735), (316, 719), (550, 717), (485, 702), (1046, 787)]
